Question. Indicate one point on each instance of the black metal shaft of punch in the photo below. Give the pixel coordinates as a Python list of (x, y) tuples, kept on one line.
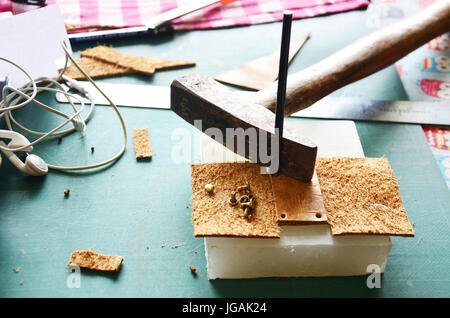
[(282, 77)]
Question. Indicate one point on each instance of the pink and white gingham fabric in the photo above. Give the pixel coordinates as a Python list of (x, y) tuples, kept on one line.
[(124, 13)]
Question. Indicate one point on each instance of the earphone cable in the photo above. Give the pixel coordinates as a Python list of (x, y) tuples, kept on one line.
[(19, 94)]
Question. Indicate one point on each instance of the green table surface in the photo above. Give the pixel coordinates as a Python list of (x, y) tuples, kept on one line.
[(141, 210)]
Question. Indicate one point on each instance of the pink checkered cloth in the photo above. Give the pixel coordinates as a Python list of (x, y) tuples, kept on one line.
[(126, 13)]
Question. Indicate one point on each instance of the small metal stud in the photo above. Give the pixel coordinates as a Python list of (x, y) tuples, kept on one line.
[(233, 200), (247, 212), (244, 198), (209, 187), (244, 187), (250, 204)]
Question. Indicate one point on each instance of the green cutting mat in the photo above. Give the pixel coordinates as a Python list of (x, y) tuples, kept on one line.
[(141, 210)]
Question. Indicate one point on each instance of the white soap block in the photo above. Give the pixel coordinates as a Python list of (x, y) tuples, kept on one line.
[(302, 251)]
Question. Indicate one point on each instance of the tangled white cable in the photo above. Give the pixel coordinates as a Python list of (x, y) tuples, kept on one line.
[(14, 99)]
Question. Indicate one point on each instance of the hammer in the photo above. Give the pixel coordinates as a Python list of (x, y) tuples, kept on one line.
[(197, 97)]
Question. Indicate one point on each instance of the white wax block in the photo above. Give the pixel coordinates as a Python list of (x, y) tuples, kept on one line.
[(334, 138), (301, 251)]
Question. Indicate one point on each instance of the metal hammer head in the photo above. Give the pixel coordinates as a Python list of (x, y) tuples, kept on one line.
[(197, 97)]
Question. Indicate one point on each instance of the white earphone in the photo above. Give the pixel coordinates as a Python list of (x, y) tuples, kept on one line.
[(34, 165), (17, 98)]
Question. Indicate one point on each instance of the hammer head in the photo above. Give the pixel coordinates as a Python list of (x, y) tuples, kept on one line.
[(197, 97)]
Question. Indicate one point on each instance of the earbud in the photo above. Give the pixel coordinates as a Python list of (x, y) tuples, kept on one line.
[(33, 166), (18, 98), (79, 124)]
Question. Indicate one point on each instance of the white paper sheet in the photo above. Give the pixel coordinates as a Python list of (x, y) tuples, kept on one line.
[(32, 40)]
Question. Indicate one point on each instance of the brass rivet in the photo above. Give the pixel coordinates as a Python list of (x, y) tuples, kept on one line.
[(247, 212), (233, 200), (250, 204), (244, 198), (244, 187), (209, 187)]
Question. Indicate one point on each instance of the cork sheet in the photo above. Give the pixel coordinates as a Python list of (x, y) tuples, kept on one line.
[(361, 196), (142, 147), (95, 261), (212, 215), (138, 64), (95, 69)]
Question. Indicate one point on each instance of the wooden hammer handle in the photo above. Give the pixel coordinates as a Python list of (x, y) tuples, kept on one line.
[(360, 59)]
